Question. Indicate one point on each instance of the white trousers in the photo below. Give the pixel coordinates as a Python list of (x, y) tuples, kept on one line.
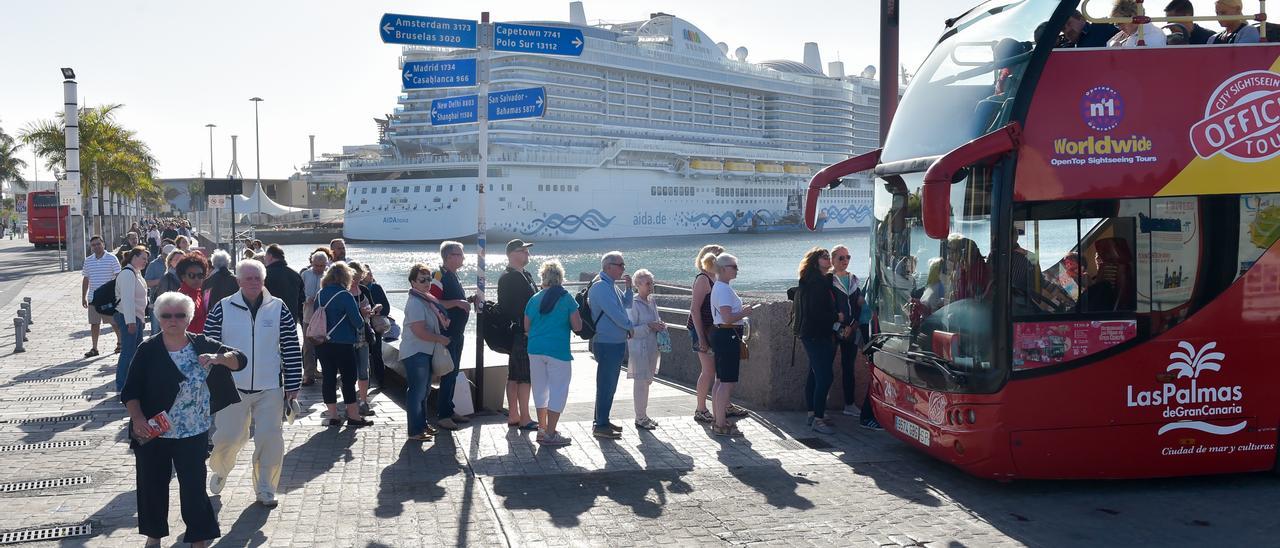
[(550, 381), (264, 410)]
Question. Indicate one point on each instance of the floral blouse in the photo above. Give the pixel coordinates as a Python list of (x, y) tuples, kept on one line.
[(189, 415)]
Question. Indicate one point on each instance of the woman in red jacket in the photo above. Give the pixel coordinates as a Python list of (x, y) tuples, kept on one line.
[(191, 270)]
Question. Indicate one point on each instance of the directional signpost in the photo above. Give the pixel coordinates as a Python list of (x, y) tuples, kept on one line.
[(453, 73), (465, 109), (427, 31), (517, 103), (537, 39)]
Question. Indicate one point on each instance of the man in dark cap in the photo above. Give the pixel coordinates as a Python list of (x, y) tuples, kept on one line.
[(515, 288)]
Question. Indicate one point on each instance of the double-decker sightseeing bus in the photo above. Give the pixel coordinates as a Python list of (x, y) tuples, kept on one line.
[(1074, 262), (46, 220)]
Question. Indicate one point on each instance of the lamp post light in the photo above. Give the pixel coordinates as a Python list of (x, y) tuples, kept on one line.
[(257, 152), (217, 238)]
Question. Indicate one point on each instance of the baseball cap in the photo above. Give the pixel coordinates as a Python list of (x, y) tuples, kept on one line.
[(516, 244)]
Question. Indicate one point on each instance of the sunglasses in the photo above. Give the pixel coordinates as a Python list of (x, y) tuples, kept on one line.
[(174, 316), (423, 280), (623, 265), (195, 275), (842, 257), (733, 266)]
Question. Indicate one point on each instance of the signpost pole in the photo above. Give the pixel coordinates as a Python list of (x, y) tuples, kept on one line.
[(485, 46)]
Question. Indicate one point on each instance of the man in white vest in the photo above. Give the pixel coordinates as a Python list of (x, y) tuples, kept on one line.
[(261, 326)]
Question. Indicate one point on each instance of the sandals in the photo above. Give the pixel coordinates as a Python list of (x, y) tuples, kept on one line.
[(357, 423), (91, 353), (728, 430), (533, 426), (704, 416), (735, 411), (421, 437), (333, 422), (647, 424)]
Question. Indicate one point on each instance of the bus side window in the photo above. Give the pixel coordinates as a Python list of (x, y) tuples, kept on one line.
[(1259, 227)]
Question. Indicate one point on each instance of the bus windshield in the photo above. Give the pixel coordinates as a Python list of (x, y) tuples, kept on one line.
[(933, 298), (967, 85), (44, 200)]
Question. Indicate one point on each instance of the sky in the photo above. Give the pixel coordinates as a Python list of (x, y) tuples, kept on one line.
[(321, 68)]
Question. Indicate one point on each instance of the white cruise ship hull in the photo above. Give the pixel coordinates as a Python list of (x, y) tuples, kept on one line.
[(547, 203)]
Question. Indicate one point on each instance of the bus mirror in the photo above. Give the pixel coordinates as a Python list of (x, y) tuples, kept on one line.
[(935, 194), (829, 175)]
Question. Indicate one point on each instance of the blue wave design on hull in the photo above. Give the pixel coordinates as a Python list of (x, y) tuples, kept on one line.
[(839, 215), (568, 224)]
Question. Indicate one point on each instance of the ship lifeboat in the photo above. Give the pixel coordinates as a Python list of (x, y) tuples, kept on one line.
[(797, 169), (710, 167), (768, 169), (739, 167)]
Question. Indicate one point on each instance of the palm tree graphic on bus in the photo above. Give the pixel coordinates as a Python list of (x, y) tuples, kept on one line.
[(1191, 363)]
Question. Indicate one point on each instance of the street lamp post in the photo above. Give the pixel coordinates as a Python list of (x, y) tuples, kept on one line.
[(217, 238), (257, 152)]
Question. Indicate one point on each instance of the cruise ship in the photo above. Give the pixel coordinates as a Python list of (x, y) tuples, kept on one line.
[(653, 131)]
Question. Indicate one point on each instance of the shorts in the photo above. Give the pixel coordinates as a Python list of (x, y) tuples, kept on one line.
[(728, 353), (693, 337), (518, 364), (96, 319), (362, 363)]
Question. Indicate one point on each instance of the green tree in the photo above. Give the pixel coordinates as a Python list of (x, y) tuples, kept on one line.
[(334, 194), (10, 165), (124, 163)]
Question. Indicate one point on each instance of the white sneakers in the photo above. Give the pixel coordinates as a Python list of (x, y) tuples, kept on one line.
[(216, 483)]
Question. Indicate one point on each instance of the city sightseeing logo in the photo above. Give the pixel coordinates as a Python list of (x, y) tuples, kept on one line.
[(1195, 400), (1242, 119), (1102, 109)]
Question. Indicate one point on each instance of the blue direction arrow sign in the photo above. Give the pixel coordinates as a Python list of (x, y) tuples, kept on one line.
[(517, 103), (450, 73), (427, 31), (537, 39), (455, 110)]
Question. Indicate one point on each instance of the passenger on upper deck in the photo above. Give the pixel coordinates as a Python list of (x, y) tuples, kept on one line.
[(1128, 36), (1190, 32), (1234, 32), (1080, 34)]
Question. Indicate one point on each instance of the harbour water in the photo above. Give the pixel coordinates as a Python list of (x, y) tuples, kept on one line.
[(768, 261)]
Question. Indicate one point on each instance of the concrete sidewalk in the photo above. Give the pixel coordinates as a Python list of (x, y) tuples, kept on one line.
[(488, 485)]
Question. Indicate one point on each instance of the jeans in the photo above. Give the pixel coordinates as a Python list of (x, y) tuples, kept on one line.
[(417, 369), (444, 401), (337, 358), (156, 461), (822, 354), (128, 347), (608, 367)]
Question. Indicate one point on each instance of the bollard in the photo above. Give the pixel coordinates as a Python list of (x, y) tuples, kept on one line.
[(18, 335), (26, 312), (27, 301), (26, 319)]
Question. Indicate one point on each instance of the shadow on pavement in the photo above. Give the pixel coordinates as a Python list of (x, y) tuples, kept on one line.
[(765, 476), (104, 413), (416, 475), (247, 530), (308, 461)]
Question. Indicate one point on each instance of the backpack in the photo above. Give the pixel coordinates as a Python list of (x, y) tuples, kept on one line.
[(588, 330), (317, 332), (499, 331), (104, 299), (794, 295)]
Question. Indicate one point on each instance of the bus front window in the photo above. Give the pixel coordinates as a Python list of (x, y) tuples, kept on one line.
[(933, 298), (966, 86)]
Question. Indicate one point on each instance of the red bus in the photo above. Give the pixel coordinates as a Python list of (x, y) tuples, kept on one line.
[(1074, 269), (46, 220)]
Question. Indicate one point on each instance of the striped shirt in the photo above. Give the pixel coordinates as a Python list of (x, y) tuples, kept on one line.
[(290, 349), (100, 270)]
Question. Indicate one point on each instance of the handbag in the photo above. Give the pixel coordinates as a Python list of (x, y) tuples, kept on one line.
[(441, 363), (380, 323), (664, 342)]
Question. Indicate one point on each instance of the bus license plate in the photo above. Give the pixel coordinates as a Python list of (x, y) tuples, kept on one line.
[(912, 430)]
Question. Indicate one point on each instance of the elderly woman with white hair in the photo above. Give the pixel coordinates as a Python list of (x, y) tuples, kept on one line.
[(176, 382), (642, 347), (222, 282), (548, 317), (726, 340)]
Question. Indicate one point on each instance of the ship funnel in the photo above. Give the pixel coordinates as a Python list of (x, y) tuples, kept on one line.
[(811, 56), (869, 72), (835, 69), (312, 138), (740, 53), (577, 15)]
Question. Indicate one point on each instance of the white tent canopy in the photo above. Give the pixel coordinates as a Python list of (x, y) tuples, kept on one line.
[(250, 204)]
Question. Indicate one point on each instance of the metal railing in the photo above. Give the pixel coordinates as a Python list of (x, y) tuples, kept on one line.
[(1142, 18)]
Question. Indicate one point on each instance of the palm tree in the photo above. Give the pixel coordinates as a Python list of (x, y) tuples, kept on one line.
[(10, 165), (334, 194), (124, 163)]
